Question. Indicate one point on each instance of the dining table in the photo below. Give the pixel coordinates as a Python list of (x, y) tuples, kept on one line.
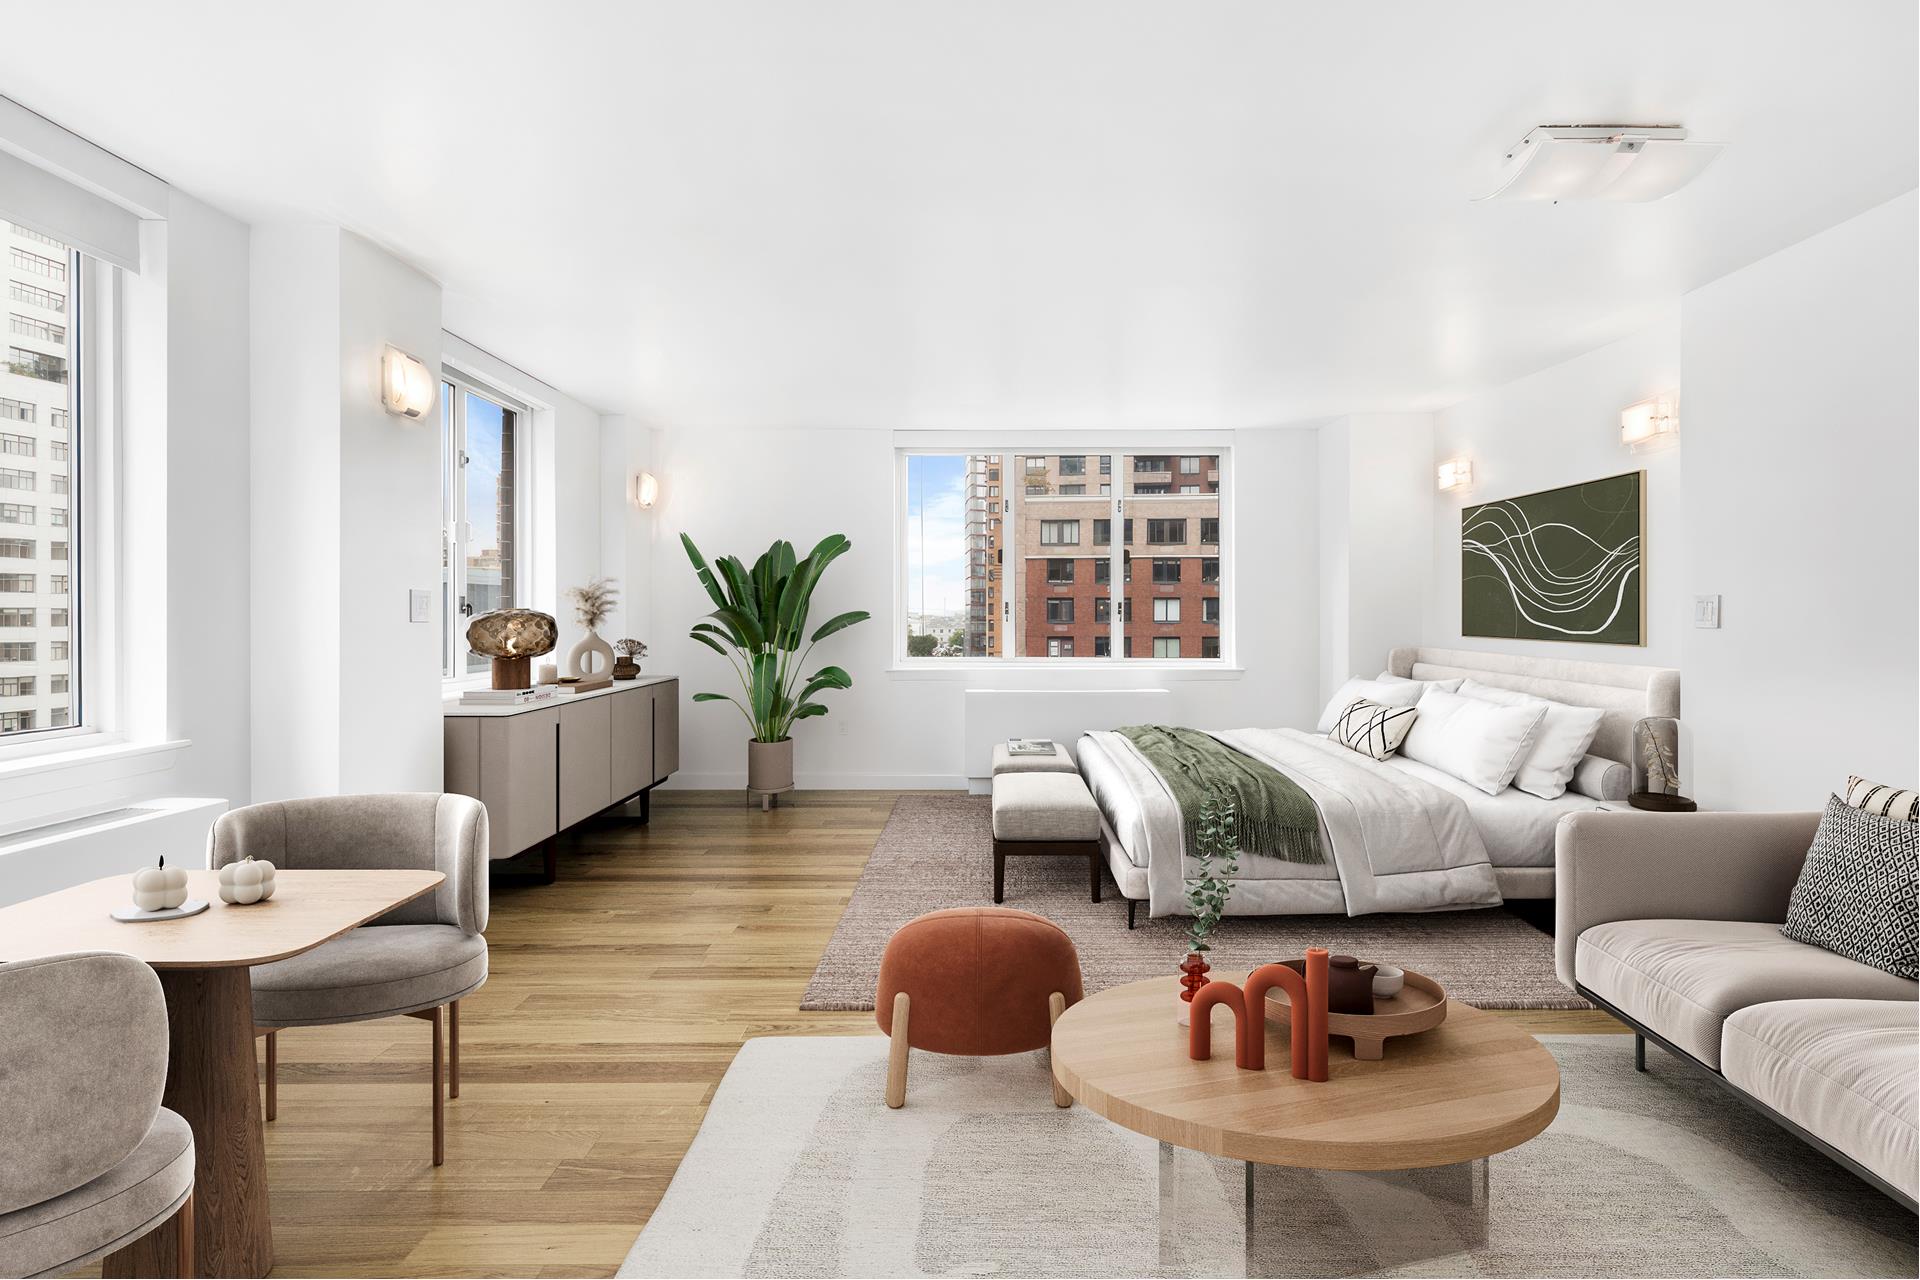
[(203, 963)]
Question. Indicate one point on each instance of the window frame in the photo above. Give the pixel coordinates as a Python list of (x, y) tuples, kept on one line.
[(89, 529), (1115, 507), (455, 530)]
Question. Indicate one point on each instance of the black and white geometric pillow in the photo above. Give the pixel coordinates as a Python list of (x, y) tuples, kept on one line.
[(1857, 890), (1371, 729), (1888, 802)]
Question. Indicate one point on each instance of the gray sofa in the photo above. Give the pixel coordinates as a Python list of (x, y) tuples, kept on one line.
[(1671, 923)]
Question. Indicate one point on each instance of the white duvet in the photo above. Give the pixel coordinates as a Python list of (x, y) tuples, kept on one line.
[(1393, 842)]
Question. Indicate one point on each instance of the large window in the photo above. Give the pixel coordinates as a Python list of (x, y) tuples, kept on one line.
[(40, 610), (479, 499), (1045, 571)]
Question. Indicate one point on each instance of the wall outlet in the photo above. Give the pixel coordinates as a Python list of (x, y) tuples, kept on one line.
[(1706, 611), (419, 604)]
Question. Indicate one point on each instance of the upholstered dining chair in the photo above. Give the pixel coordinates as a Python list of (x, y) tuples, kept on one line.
[(419, 960), (92, 1160)]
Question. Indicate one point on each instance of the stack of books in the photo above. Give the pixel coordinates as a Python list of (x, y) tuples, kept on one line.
[(505, 697), (1029, 746)]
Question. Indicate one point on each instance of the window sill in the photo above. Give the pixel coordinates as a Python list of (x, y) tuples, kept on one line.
[(1078, 671), (66, 755)]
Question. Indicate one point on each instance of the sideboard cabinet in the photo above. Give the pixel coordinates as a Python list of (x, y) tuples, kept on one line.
[(547, 766)]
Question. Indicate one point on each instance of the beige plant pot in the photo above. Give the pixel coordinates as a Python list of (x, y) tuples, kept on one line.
[(770, 766)]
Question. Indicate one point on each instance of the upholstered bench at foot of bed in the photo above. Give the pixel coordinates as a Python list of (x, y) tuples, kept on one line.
[(1044, 814)]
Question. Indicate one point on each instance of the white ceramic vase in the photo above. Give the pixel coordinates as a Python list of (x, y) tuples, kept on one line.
[(580, 658)]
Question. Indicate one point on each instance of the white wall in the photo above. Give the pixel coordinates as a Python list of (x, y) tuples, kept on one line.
[(627, 549), (1376, 525), (346, 521), (209, 502), (388, 715), (1799, 426), (1562, 426), (736, 491), (295, 481)]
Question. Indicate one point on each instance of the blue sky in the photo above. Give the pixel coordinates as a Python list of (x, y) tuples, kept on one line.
[(484, 427), (936, 533)]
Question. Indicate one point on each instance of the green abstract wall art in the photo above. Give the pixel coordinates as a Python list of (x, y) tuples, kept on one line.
[(1561, 564)]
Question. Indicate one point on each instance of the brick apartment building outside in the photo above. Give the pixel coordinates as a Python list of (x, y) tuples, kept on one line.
[(1059, 564)]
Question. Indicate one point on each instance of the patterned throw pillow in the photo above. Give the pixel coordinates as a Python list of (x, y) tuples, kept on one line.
[(1856, 895), (1902, 806), (1371, 729)]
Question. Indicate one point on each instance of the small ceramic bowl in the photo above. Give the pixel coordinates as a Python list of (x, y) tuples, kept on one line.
[(1387, 981)]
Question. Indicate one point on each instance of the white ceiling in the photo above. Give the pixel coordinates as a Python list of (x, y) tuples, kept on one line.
[(1014, 212)]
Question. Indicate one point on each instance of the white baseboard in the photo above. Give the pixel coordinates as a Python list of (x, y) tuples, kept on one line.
[(736, 780)]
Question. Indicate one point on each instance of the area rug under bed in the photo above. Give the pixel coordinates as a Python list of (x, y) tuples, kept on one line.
[(799, 1170), (937, 851)]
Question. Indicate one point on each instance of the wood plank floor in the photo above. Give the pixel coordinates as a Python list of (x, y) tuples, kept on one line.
[(618, 997)]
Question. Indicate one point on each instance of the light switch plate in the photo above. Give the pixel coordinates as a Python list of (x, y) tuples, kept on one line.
[(1706, 611), (418, 603)]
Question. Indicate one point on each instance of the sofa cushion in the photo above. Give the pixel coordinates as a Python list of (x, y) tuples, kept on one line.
[(374, 971), (1856, 894), (1681, 978), (1841, 1069), (115, 1209), (1043, 806)]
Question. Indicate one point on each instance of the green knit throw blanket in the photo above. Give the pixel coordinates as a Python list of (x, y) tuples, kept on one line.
[(1272, 815)]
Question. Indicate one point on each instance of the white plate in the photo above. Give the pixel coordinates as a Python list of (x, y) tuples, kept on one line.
[(133, 915)]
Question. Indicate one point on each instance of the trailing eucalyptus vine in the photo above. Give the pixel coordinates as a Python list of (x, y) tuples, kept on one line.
[(1214, 852)]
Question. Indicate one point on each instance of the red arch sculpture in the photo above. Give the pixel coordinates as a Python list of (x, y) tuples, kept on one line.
[(1308, 998), (1308, 1032), (1200, 1026)]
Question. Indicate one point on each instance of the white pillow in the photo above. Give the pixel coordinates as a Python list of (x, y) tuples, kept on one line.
[(1451, 686), (1404, 695), (1480, 743), (1564, 737)]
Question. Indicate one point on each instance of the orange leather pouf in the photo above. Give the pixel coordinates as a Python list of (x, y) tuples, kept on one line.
[(976, 981)]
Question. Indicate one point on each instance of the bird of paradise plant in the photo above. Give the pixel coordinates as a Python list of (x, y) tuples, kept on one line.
[(759, 623)]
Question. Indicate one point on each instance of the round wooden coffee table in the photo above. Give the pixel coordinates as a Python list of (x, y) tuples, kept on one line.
[(1443, 1100)]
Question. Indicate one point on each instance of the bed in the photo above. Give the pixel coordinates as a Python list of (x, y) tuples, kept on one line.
[(1398, 835)]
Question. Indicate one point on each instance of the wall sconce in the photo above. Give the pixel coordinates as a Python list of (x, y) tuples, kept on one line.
[(406, 385), (643, 489), (1456, 473), (1649, 424)]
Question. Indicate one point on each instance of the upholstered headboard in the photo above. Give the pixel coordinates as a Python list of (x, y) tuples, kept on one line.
[(1624, 694)]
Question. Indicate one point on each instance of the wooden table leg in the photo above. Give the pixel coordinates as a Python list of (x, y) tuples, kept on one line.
[(211, 1083)]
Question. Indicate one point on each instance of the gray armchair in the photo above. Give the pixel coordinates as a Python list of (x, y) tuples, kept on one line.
[(416, 960), (92, 1160)]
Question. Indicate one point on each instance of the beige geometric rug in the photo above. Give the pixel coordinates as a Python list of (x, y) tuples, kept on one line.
[(799, 1170), (937, 851)]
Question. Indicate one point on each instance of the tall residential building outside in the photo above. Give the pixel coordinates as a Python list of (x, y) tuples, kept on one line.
[(36, 454), (986, 575)]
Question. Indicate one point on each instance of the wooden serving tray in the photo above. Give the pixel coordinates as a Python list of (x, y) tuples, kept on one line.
[(1420, 1006)]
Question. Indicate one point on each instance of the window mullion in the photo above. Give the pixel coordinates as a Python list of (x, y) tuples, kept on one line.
[(1116, 559)]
